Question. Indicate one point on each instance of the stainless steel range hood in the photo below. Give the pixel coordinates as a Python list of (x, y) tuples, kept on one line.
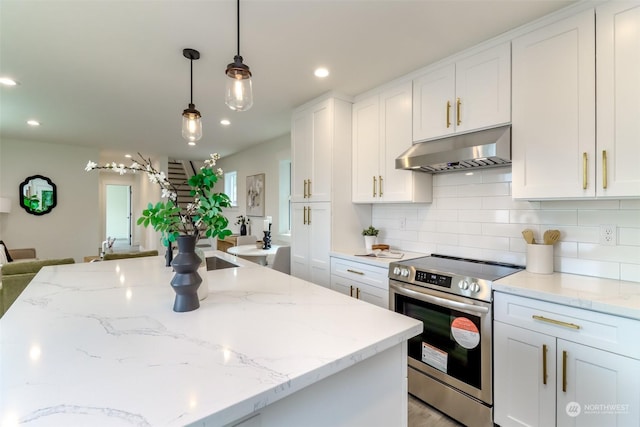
[(482, 149)]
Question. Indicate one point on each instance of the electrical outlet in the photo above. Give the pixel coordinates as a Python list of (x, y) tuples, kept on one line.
[(403, 223), (608, 234)]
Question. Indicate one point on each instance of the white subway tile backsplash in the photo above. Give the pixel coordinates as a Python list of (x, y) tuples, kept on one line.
[(484, 216), (629, 236), (630, 272), (585, 267), (457, 178), (630, 204), (458, 203), (474, 216), (580, 204), (484, 242), (506, 202), (623, 218), (627, 254), (565, 217), (491, 189), (497, 175)]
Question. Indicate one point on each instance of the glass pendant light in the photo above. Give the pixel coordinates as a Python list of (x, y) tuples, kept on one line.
[(239, 91), (191, 118)]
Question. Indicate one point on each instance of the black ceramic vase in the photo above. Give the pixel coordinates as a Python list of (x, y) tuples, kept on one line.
[(243, 230), (186, 281)]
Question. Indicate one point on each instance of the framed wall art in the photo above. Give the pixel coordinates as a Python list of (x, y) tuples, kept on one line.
[(255, 195)]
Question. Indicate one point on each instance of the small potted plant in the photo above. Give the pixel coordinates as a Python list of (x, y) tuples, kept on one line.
[(244, 222), (370, 234)]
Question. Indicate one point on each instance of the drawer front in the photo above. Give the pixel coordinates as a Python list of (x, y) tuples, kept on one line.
[(360, 291), (359, 272), (604, 331)]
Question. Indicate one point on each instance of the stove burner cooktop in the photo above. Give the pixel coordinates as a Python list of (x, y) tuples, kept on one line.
[(462, 276)]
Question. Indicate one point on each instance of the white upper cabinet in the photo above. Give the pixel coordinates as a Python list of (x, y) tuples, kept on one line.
[(312, 141), (556, 152), (553, 128), (381, 132), (473, 93), (618, 99)]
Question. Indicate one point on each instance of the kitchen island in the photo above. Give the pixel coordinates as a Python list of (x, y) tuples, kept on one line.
[(98, 344)]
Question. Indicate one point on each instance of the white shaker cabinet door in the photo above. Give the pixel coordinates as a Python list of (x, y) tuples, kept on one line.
[(604, 387), (319, 223), (433, 104), (618, 99), (524, 377), (366, 146), (553, 110), (483, 89)]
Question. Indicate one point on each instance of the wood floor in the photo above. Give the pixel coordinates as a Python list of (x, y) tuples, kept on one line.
[(423, 415)]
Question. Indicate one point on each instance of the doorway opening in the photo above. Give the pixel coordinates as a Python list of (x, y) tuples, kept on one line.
[(118, 214)]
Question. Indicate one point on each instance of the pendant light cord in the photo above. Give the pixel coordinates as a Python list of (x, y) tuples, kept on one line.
[(191, 82), (238, 9)]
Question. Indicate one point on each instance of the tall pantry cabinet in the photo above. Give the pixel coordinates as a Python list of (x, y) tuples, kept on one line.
[(323, 217)]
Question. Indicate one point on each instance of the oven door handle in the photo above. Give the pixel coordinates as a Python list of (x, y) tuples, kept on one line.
[(437, 300)]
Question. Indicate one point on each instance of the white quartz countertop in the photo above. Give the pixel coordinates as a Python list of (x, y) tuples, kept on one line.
[(616, 297), (98, 344), (375, 261)]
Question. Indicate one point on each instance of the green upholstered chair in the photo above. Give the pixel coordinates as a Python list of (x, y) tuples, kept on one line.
[(123, 255), (17, 275)]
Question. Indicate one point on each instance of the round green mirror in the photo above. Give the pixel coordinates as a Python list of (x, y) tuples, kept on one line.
[(38, 195)]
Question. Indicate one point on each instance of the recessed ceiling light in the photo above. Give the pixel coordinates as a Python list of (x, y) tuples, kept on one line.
[(128, 156), (321, 72), (192, 143), (225, 122), (33, 123), (7, 81)]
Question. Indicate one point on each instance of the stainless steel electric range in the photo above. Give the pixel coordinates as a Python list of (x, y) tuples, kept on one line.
[(450, 363)]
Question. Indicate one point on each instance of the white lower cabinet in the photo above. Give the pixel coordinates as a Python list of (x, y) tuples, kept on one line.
[(563, 366), (311, 242), (361, 281)]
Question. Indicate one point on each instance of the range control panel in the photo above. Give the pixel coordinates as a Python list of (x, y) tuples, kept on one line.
[(433, 279)]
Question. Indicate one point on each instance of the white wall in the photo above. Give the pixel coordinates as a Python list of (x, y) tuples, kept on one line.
[(262, 158), (143, 192), (71, 229), (474, 216)]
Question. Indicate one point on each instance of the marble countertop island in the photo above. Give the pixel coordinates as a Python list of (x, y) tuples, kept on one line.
[(98, 344)]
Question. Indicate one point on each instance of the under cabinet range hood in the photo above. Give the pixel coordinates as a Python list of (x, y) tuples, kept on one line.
[(482, 149)]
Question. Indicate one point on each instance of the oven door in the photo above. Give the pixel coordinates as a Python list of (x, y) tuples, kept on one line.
[(455, 345)]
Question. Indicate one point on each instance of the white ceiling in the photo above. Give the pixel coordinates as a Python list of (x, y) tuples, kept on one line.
[(111, 74)]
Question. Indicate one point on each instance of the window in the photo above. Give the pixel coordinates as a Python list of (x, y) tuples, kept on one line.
[(284, 202), (231, 186)]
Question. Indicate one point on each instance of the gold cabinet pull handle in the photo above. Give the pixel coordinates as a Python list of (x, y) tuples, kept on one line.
[(380, 177), (584, 171), (604, 169), (309, 189), (544, 364), (374, 186), (355, 271), (305, 189), (309, 215), (357, 293), (304, 215), (556, 322), (564, 371), (350, 290), (458, 104), (448, 114)]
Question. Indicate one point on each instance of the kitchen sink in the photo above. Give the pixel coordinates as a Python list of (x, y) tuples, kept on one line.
[(215, 263)]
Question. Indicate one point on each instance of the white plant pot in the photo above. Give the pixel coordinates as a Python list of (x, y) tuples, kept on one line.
[(369, 241)]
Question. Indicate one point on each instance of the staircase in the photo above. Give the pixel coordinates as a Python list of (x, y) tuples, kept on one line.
[(177, 176)]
